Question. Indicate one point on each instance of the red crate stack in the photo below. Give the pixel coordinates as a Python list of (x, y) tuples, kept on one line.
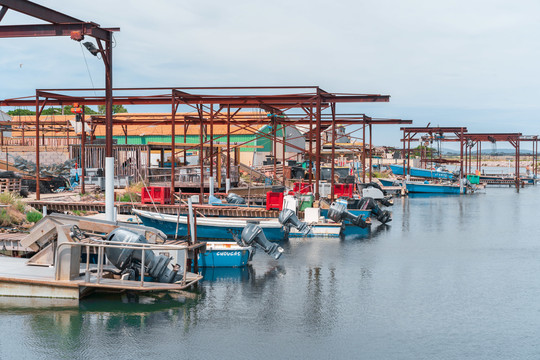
[(156, 194), (343, 190), (274, 200)]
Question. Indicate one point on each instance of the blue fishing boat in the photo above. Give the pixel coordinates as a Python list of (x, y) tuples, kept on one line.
[(213, 228), (389, 182), (429, 188), (365, 213), (225, 254), (425, 173)]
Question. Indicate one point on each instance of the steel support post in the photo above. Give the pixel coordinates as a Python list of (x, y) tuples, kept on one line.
[(274, 145), (174, 109), (517, 163), (201, 154), (38, 112), (212, 141), (408, 156), (403, 153), (83, 152), (461, 154), (109, 159), (228, 141), (318, 146), (370, 154), (284, 131), (333, 160), (364, 150)]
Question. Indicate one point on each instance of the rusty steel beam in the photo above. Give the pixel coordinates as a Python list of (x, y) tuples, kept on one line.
[(432, 130), (39, 30), (493, 136), (39, 12)]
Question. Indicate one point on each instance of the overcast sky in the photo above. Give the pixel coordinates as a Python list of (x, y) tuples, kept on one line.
[(449, 63)]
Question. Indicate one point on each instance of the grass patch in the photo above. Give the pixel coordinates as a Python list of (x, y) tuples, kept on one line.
[(12, 199), (132, 193), (33, 216), (379, 175)]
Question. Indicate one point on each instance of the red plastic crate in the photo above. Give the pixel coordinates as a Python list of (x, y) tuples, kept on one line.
[(343, 190), (156, 194), (274, 200), (302, 187)]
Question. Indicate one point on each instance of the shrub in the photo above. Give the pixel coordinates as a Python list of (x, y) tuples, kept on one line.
[(33, 216), (5, 219), (13, 199)]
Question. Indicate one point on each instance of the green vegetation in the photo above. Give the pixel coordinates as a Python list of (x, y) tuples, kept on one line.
[(12, 199), (117, 109), (132, 193), (51, 111), (33, 216), (79, 212), (428, 151), (378, 174), (5, 219), (21, 112)]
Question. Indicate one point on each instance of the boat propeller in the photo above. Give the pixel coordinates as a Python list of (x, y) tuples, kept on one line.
[(288, 218)]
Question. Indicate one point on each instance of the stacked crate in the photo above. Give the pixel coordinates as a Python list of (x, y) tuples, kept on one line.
[(10, 185)]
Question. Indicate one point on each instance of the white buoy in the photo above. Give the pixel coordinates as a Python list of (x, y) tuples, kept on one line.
[(227, 185), (44, 210)]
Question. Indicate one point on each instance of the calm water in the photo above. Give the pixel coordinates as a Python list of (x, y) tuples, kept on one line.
[(450, 278)]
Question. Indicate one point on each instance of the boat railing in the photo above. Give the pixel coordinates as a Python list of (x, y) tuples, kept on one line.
[(101, 245)]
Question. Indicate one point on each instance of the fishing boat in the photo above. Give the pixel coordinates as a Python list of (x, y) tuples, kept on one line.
[(225, 254), (389, 182), (425, 173), (222, 229), (320, 229), (430, 188), (213, 228)]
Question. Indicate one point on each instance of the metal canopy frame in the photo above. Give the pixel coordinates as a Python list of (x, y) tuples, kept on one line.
[(409, 134), (473, 139), (215, 106)]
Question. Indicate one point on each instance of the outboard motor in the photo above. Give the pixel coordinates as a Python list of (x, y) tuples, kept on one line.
[(373, 190), (253, 235), (232, 198), (368, 203), (129, 260), (288, 218), (338, 212)]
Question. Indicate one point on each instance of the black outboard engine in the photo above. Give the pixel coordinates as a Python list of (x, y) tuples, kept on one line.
[(253, 235), (384, 200), (338, 212), (368, 203), (129, 260), (288, 218), (232, 198)]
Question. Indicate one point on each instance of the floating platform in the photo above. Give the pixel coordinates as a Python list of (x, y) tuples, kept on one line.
[(57, 270), (19, 279)]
